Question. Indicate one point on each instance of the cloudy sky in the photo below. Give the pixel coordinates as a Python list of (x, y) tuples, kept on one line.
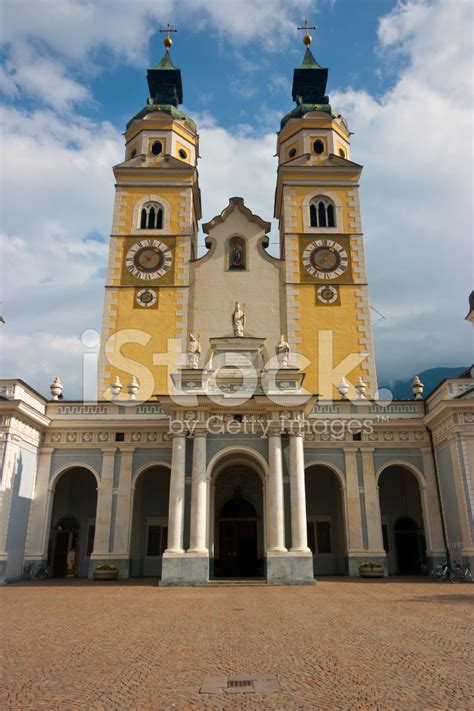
[(73, 72)]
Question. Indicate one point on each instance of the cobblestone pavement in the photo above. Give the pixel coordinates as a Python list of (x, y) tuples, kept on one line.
[(342, 644)]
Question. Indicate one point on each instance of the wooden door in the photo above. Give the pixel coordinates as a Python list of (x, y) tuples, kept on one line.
[(238, 548)]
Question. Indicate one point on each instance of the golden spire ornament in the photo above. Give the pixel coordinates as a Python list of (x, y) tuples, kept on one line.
[(168, 41), (307, 39)]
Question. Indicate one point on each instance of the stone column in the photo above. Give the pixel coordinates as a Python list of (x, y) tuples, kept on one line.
[(372, 505), (123, 513), (38, 524), (355, 543), (176, 502), (103, 517), (275, 508), (299, 534), (198, 527)]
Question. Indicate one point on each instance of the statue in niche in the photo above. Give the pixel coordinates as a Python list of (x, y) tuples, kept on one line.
[(238, 320), (283, 353), (194, 352), (236, 254)]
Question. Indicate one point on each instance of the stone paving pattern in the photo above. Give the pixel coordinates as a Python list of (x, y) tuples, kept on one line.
[(342, 644)]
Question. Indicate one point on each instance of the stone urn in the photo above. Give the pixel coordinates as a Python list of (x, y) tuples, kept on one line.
[(371, 570), (106, 572)]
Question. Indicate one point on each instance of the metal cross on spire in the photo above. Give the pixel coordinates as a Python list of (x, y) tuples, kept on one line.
[(307, 39), (168, 41)]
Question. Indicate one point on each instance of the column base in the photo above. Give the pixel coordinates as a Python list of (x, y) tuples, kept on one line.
[(434, 558), (185, 569), (354, 560), (290, 568)]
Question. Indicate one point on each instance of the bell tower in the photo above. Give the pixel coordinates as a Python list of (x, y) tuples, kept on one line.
[(154, 236), (317, 205)]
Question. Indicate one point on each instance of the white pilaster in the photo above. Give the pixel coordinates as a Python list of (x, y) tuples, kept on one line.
[(276, 514), (299, 535), (176, 503), (123, 512), (38, 524), (372, 504), (8, 471), (355, 542), (103, 518), (199, 495)]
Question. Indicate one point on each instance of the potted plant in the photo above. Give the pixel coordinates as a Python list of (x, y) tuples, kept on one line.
[(106, 571), (371, 569)]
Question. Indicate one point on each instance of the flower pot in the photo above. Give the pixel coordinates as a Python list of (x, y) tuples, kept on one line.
[(371, 572), (105, 574)]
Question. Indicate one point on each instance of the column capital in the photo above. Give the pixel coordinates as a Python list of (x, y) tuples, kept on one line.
[(200, 431), (350, 450), (45, 450), (274, 431), (298, 431), (176, 435), (127, 449), (108, 450)]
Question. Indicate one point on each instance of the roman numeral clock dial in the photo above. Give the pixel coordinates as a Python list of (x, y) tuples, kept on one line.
[(148, 259), (325, 259)]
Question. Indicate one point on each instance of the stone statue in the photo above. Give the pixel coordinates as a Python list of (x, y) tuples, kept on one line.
[(283, 353), (237, 256), (238, 320), (194, 351)]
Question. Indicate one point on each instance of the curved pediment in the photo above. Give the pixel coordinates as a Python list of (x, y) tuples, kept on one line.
[(236, 203)]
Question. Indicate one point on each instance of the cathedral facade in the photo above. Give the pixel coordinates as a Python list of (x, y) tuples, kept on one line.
[(237, 429)]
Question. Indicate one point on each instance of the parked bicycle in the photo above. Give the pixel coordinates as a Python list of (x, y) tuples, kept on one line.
[(442, 572), (36, 571), (457, 574), (461, 573)]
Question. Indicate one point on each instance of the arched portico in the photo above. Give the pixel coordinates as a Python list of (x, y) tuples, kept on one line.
[(73, 495), (237, 506), (404, 516), (149, 524), (326, 517)]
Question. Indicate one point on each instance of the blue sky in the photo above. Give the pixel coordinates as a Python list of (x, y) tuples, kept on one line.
[(74, 71), (234, 82)]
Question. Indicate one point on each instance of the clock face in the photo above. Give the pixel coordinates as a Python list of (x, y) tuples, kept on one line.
[(327, 294), (325, 259), (146, 298), (149, 259)]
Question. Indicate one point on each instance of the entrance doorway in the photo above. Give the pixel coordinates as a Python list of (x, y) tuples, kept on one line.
[(238, 539), (402, 521), (71, 536), (325, 520), (408, 546), (66, 546)]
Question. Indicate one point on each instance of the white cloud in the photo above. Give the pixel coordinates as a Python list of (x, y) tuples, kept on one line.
[(71, 31), (42, 79), (414, 142)]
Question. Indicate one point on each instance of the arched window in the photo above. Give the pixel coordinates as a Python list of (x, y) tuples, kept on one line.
[(237, 255), (151, 217), (322, 213)]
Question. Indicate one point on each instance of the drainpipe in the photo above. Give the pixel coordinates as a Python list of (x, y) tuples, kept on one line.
[(438, 489)]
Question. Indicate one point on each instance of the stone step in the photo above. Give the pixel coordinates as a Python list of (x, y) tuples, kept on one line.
[(229, 582)]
